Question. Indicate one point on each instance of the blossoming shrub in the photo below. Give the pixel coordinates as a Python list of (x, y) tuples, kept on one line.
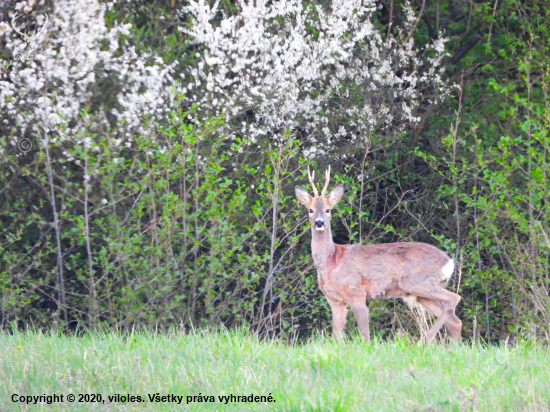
[(159, 222), (79, 63), (325, 71), (132, 206)]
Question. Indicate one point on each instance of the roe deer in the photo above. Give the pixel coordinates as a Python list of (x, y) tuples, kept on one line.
[(349, 274)]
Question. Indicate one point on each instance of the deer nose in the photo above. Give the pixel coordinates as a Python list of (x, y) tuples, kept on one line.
[(319, 223)]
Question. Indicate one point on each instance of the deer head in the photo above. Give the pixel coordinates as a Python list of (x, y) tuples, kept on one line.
[(27, 38), (319, 206)]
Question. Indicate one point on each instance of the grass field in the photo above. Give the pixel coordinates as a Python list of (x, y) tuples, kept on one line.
[(319, 375)]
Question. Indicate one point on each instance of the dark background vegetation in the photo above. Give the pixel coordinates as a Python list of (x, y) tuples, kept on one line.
[(196, 241)]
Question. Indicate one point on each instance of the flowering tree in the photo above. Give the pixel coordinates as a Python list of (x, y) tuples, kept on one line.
[(328, 71), (76, 59)]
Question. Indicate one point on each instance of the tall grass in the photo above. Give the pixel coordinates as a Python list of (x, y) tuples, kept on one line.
[(320, 375)]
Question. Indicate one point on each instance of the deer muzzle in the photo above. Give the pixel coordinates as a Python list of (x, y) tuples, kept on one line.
[(320, 225)]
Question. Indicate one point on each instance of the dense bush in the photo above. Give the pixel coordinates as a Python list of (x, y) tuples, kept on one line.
[(137, 206)]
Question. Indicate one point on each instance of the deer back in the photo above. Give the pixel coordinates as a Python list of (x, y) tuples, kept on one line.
[(387, 270)]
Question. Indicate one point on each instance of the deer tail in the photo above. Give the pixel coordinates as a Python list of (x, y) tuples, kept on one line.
[(448, 269)]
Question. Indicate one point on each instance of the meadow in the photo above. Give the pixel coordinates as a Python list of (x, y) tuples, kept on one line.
[(201, 370)]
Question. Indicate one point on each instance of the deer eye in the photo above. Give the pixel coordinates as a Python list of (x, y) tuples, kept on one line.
[(310, 210), (328, 210)]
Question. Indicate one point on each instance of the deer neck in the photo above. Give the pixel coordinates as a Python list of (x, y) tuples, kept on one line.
[(322, 248)]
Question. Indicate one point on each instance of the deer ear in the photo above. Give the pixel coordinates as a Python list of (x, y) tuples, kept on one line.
[(302, 195), (335, 195)]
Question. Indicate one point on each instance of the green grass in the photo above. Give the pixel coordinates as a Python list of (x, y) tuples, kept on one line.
[(319, 375)]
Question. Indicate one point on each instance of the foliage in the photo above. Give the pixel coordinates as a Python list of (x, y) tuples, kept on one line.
[(160, 190), (496, 174)]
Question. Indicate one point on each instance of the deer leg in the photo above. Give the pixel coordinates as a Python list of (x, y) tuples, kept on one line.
[(339, 312), (454, 325), (361, 312), (450, 300)]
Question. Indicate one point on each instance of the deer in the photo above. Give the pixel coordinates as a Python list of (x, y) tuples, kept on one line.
[(348, 275), (28, 38)]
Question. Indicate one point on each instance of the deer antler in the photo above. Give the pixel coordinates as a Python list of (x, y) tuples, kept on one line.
[(27, 38), (43, 27), (327, 179), (312, 181), (15, 17)]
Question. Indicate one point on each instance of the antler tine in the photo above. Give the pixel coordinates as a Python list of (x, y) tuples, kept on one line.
[(312, 181), (15, 28), (327, 179), (43, 27)]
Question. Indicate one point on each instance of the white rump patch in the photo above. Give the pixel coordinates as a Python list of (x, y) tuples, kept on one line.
[(410, 300), (448, 269)]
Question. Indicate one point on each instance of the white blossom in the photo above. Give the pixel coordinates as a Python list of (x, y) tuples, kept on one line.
[(73, 63), (267, 59)]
